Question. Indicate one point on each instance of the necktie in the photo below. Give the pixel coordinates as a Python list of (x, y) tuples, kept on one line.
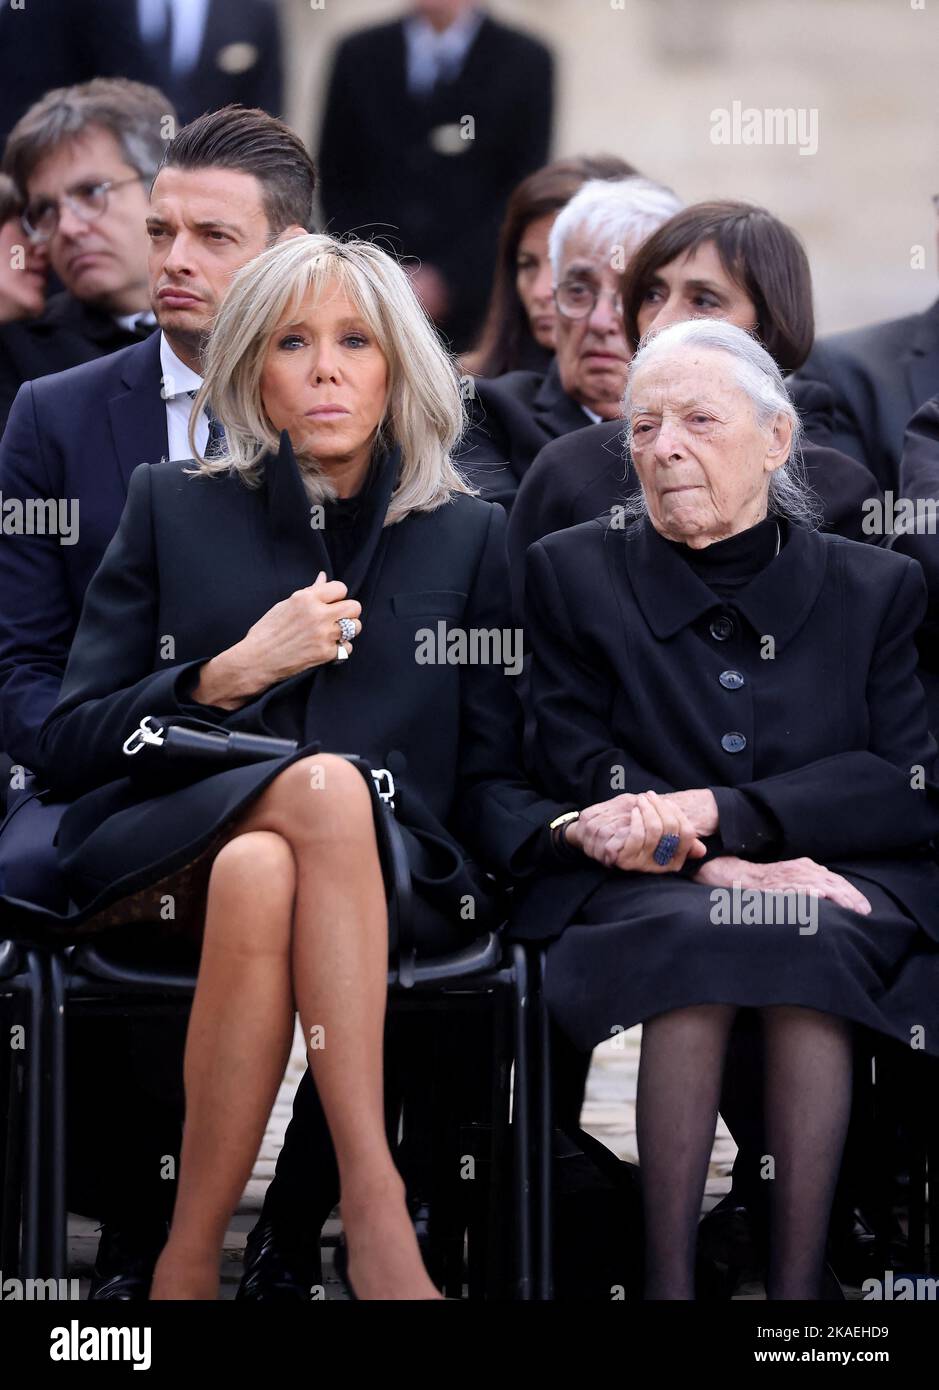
[(217, 443)]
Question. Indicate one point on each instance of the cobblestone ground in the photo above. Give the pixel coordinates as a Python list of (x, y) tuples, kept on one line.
[(609, 1114)]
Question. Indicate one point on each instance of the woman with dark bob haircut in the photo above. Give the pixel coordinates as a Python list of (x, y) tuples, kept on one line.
[(518, 333), (730, 261)]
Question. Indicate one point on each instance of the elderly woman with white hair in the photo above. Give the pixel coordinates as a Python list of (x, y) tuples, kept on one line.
[(716, 655), (515, 415), (294, 587)]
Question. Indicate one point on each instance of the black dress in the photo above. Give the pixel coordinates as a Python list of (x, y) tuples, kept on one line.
[(201, 559), (637, 944)]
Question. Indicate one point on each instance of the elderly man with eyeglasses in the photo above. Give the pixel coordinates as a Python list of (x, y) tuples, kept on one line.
[(512, 417), (83, 158)]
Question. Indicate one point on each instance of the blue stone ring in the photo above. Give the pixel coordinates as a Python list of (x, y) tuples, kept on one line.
[(665, 849)]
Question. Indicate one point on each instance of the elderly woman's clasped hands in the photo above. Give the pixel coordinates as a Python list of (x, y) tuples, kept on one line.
[(630, 831), (627, 831)]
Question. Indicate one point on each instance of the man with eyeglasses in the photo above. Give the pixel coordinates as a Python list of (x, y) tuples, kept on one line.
[(879, 376), (83, 158), (512, 417)]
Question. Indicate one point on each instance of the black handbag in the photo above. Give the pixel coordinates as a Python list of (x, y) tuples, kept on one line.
[(194, 746)]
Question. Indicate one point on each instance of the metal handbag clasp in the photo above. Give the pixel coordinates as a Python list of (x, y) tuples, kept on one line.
[(142, 735), (384, 785)]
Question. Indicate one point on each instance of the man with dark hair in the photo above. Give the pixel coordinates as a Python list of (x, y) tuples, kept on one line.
[(83, 158), (79, 435)]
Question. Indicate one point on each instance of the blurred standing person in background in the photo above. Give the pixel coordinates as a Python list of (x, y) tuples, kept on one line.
[(209, 53), (58, 43), (429, 124), (519, 331)]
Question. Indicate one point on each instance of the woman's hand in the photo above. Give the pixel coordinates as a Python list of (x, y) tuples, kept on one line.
[(788, 875), (625, 834), (298, 633), (700, 806)]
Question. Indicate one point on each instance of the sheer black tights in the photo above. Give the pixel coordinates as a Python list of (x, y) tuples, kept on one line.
[(807, 1098)]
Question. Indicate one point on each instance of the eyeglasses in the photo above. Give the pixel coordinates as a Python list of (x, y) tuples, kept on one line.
[(88, 201), (576, 299)]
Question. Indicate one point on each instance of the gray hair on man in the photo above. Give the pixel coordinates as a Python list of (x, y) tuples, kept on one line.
[(140, 118), (614, 216), (758, 376)]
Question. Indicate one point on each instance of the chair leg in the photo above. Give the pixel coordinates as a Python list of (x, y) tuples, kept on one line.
[(11, 1190), (521, 1126), (58, 1214), (33, 1127), (544, 1131)]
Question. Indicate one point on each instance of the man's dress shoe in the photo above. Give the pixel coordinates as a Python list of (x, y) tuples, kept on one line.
[(125, 1263), (275, 1272)]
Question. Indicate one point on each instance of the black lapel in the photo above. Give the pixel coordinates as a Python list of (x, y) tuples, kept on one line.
[(671, 596), (138, 412), (555, 410)]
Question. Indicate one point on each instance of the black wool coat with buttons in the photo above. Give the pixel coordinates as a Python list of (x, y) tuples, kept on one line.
[(796, 702), (198, 560)]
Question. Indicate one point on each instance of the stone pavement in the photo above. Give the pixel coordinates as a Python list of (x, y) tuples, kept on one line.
[(609, 1114)]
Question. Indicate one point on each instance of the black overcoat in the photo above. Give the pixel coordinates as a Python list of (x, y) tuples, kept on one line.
[(195, 562), (797, 703)]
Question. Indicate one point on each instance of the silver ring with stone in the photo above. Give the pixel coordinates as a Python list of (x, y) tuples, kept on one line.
[(346, 629)]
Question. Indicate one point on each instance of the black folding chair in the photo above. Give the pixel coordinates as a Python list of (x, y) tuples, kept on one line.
[(23, 988)]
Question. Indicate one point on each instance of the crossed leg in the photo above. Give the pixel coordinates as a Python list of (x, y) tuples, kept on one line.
[(296, 920)]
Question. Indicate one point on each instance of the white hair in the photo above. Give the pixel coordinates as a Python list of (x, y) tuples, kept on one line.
[(614, 215), (758, 376)]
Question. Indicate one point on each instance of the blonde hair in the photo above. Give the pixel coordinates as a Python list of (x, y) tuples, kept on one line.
[(424, 412)]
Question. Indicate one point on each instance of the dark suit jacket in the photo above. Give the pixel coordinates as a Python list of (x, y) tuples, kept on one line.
[(240, 61), (511, 419), (56, 43), (203, 559), (879, 375), (625, 675), (68, 333), (582, 475), (77, 435), (384, 171), (919, 481)]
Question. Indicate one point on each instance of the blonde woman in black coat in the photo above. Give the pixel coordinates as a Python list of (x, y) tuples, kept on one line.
[(288, 588)]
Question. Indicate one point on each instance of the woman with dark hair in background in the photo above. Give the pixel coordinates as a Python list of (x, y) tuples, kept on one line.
[(723, 260), (518, 333), (24, 263)]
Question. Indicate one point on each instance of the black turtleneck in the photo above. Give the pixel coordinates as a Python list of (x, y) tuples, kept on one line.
[(728, 566)]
